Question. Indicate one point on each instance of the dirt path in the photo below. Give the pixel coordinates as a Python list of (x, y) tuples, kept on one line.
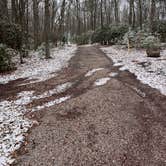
[(122, 123)]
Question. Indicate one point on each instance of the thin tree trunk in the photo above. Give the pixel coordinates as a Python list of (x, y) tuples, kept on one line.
[(61, 21), (133, 22), (14, 11), (3, 9), (152, 15), (140, 13), (101, 13), (47, 29), (36, 23), (130, 12), (116, 11)]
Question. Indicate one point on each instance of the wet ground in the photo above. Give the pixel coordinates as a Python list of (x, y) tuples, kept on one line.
[(122, 123)]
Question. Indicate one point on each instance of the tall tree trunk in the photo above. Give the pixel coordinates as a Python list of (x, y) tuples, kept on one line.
[(22, 22), (54, 10), (95, 11), (140, 13), (27, 25), (78, 17), (4, 9), (130, 12), (101, 13), (134, 18), (61, 20), (152, 15), (36, 23), (47, 29), (14, 11), (116, 11)]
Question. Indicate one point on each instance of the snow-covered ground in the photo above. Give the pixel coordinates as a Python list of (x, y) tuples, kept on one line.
[(151, 71), (13, 124), (40, 69)]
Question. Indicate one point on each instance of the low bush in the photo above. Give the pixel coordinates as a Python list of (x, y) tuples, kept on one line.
[(10, 34), (152, 45), (84, 38), (5, 58), (101, 35), (151, 42), (129, 38), (109, 35), (140, 39), (161, 30)]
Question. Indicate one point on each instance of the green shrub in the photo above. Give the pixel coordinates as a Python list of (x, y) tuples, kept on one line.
[(129, 37), (151, 42), (101, 35), (10, 34), (136, 39), (109, 35), (5, 58), (161, 30), (117, 32), (85, 38), (140, 38)]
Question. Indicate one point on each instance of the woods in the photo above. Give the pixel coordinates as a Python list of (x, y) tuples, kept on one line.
[(40, 22)]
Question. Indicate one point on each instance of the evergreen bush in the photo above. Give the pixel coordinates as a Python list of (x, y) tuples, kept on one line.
[(109, 35), (151, 42), (84, 38), (10, 34), (5, 58), (161, 30), (152, 45)]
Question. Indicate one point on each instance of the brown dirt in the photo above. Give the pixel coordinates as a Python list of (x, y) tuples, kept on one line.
[(122, 123)]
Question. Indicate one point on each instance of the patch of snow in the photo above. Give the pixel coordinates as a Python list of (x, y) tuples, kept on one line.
[(58, 89), (118, 64), (86, 45), (113, 74), (51, 103), (151, 71), (25, 97), (101, 81), (41, 69), (91, 72), (123, 68)]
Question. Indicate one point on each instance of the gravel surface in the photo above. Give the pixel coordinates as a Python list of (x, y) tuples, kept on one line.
[(120, 123)]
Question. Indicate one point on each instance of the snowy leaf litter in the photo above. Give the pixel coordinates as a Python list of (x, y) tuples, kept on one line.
[(13, 124), (151, 71), (41, 69)]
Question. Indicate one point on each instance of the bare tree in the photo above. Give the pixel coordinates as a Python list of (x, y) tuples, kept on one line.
[(36, 23), (47, 29), (152, 15), (140, 13), (101, 13), (116, 11)]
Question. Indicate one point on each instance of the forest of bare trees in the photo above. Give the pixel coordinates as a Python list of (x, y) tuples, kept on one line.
[(43, 21)]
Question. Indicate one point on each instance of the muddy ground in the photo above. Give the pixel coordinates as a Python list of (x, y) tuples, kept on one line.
[(122, 123)]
